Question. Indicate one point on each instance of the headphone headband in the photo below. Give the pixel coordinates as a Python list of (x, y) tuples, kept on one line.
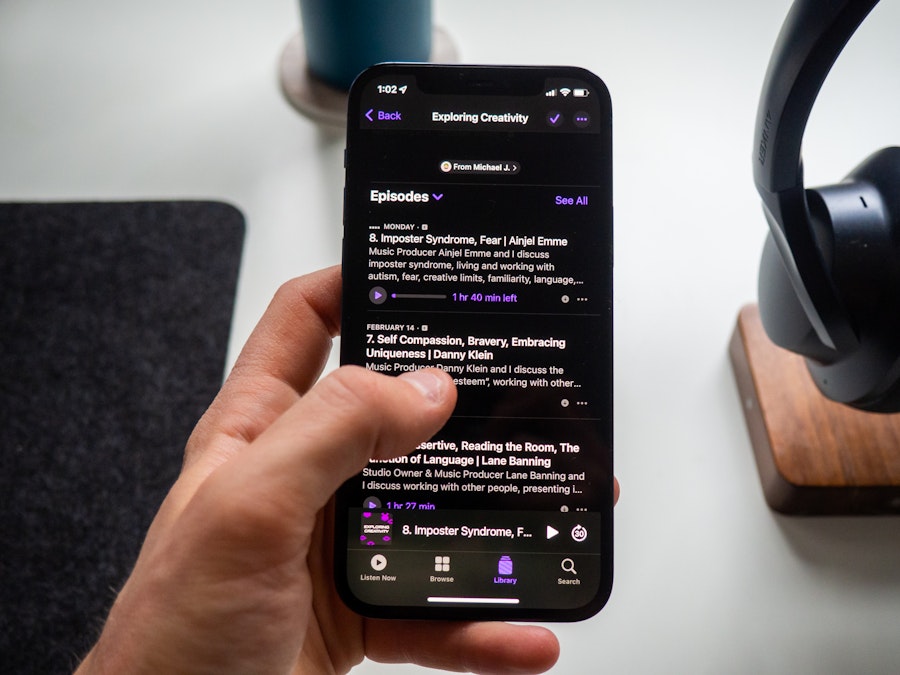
[(813, 35)]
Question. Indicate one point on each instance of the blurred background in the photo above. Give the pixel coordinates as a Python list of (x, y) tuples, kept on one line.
[(103, 100)]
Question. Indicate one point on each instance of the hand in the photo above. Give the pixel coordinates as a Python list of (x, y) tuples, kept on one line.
[(235, 574)]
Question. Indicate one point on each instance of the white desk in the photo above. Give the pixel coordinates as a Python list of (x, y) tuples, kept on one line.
[(179, 98)]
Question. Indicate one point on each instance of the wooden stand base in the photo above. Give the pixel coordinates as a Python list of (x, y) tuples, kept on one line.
[(815, 457)]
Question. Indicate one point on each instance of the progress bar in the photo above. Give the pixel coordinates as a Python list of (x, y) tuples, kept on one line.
[(480, 601), (419, 296)]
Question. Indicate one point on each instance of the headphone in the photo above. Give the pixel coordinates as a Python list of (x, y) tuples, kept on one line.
[(829, 283)]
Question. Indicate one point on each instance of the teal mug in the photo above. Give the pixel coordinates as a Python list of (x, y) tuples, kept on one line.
[(344, 37)]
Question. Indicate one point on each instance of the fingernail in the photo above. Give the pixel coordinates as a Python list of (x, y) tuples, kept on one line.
[(430, 384)]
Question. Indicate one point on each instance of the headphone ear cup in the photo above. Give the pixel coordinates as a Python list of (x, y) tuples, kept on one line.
[(781, 311), (861, 216), (857, 223), (882, 170)]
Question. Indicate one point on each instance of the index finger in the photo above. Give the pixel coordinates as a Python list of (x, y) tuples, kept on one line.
[(282, 359)]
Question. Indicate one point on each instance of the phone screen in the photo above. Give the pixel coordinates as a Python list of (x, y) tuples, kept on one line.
[(478, 239)]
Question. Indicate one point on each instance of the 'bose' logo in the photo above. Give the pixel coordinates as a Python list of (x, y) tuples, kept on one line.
[(764, 141)]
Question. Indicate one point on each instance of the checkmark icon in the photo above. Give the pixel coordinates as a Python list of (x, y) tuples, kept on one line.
[(554, 118), (437, 198)]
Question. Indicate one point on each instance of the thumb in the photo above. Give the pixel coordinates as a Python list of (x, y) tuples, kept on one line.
[(351, 416)]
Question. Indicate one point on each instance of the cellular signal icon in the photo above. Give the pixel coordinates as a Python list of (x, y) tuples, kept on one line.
[(550, 92), (565, 91)]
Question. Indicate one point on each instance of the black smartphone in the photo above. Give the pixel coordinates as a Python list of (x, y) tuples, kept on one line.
[(478, 239)]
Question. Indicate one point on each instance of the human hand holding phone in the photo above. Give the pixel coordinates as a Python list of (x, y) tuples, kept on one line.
[(235, 573)]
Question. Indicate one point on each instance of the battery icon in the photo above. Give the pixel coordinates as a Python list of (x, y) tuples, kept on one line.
[(580, 93)]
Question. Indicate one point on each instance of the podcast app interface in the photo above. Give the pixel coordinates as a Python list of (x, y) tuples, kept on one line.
[(478, 240)]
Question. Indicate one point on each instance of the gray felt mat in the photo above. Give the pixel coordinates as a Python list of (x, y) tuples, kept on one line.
[(114, 323)]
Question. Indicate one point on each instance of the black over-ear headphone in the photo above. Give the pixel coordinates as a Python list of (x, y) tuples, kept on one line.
[(829, 284)]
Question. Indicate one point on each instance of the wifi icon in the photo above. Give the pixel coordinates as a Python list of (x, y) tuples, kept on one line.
[(565, 91)]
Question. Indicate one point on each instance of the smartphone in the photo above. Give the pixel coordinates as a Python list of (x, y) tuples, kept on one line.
[(478, 239)]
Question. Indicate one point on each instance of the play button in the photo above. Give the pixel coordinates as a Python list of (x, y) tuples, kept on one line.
[(378, 562), (377, 295), (551, 532)]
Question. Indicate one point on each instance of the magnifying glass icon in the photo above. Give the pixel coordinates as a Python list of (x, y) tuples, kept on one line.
[(568, 565)]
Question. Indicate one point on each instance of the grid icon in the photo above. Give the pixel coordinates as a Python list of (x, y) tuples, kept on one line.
[(442, 563)]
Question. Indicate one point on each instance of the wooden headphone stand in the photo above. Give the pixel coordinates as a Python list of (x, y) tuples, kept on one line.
[(815, 457)]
